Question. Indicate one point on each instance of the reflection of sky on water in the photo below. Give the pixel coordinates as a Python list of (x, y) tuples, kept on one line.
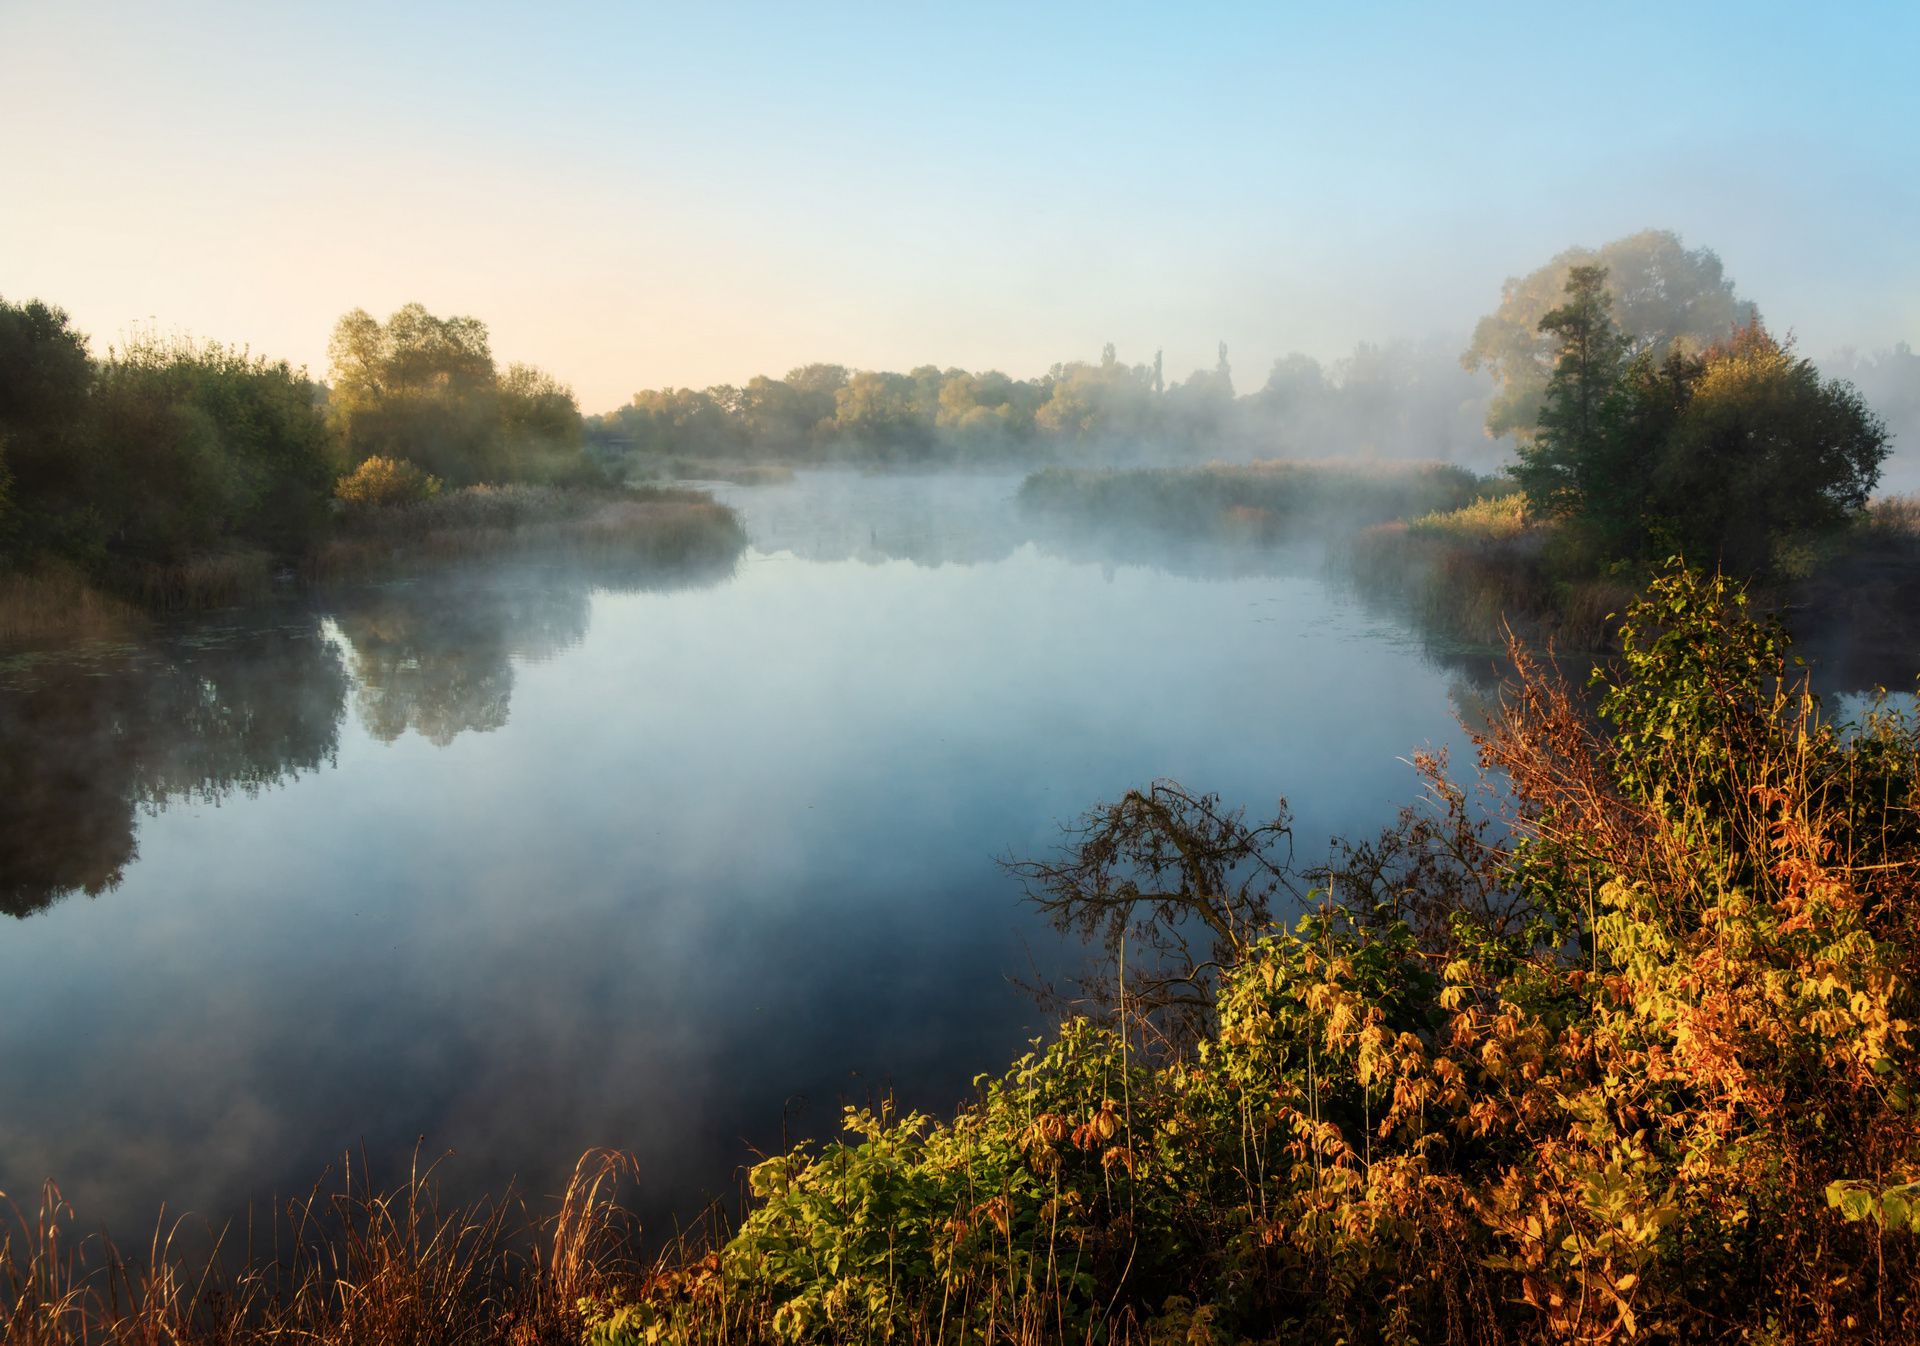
[(637, 868)]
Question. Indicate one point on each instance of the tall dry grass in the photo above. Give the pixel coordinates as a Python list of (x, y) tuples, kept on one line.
[(58, 603), (1477, 572), (643, 525), (1259, 501), (217, 579), (346, 1265)]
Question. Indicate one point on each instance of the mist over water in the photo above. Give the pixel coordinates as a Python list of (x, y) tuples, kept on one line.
[(523, 864)]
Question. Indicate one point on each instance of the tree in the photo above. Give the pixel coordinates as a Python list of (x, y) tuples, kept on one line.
[(45, 376), (1572, 440), (1763, 454), (1736, 456), (417, 387), (1109, 400), (201, 446), (883, 410), (1661, 292), (541, 429)]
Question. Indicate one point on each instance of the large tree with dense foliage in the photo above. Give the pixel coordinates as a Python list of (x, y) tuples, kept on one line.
[(199, 447), (1568, 458), (1763, 453), (45, 377), (417, 387), (1738, 454), (1661, 292), (425, 389)]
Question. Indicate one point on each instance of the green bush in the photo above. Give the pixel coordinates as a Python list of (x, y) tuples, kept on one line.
[(381, 482)]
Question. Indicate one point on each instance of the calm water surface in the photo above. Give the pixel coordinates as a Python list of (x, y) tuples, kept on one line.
[(536, 861)]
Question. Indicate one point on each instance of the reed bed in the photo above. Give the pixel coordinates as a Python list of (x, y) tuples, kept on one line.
[(740, 474), (1260, 501), (214, 580), (1892, 518), (646, 526), (1476, 572), (345, 1265), (57, 603)]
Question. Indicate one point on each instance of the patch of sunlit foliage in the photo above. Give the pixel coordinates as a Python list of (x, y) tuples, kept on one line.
[(1490, 518)]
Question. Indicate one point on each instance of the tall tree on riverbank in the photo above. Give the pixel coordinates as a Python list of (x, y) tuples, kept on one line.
[(416, 387), (1565, 466), (45, 376), (1662, 292), (1737, 456), (425, 389)]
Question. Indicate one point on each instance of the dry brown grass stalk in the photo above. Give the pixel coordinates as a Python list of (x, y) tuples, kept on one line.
[(345, 1265)]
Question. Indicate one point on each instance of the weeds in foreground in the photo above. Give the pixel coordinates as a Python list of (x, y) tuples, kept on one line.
[(347, 1265)]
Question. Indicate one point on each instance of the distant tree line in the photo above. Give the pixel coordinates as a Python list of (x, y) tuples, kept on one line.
[(1403, 400)]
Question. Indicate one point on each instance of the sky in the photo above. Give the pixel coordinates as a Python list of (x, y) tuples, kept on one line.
[(639, 196)]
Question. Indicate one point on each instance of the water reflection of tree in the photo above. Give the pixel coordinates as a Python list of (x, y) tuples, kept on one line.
[(216, 709), (83, 745), (437, 656)]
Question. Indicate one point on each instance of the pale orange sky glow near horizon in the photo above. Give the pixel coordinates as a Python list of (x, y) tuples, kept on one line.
[(643, 198)]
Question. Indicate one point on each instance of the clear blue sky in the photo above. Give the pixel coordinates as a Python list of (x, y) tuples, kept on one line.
[(634, 196)]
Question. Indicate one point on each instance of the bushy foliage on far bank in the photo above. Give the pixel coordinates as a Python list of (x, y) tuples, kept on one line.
[(1740, 455), (177, 473), (1630, 1056)]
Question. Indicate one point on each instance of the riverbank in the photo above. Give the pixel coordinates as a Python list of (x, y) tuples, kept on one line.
[(642, 526), (1458, 557), (1254, 502), (1474, 573)]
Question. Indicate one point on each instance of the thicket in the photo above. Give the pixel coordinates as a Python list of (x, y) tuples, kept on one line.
[(1739, 455), (175, 472), (1623, 1049)]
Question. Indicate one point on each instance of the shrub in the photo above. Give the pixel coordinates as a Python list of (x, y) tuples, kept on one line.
[(380, 482)]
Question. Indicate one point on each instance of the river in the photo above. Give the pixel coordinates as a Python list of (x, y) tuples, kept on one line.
[(520, 862)]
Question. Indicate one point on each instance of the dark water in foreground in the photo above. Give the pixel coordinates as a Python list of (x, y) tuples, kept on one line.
[(537, 861)]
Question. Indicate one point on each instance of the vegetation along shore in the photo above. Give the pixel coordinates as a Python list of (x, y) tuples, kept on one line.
[(177, 474)]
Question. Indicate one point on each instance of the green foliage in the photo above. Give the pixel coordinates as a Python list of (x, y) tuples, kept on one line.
[(1741, 454), (1662, 292), (380, 482), (426, 389), (1491, 517), (1561, 468), (1763, 453), (197, 447), (45, 375), (1401, 401)]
